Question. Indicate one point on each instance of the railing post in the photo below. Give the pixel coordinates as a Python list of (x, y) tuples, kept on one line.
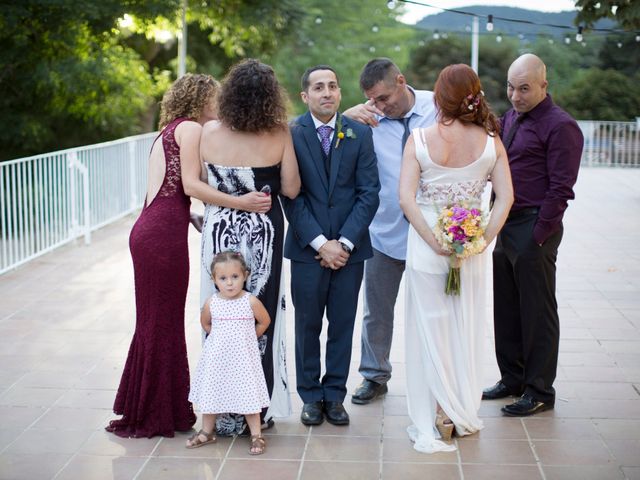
[(133, 203), (72, 158), (87, 203), (74, 165)]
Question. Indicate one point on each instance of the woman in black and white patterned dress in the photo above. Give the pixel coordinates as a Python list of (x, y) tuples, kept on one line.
[(249, 154)]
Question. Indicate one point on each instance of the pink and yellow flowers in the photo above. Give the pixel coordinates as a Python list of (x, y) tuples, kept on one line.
[(459, 230)]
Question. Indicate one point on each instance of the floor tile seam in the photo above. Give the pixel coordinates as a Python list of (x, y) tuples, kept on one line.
[(334, 460), (459, 459), (533, 449), (602, 438), (304, 453), (75, 454), (147, 459), (226, 456), (381, 448), (318, 435), (24, 430), (16, 382), (253, 459)]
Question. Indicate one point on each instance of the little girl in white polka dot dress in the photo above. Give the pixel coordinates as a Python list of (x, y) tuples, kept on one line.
[(229, 377)]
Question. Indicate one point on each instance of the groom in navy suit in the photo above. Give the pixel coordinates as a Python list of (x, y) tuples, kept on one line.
[(328, 241)]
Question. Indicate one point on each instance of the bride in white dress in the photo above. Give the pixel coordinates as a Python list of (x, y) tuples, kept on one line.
[(448, 163)]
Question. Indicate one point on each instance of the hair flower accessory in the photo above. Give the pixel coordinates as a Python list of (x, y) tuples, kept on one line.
[(474, 100), (340, 134)]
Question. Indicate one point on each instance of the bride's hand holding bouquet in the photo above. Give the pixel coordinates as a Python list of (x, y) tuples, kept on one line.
[(460, 232)]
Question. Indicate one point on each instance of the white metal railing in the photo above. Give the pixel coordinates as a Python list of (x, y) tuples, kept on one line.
[(611, 143), (50, 199)]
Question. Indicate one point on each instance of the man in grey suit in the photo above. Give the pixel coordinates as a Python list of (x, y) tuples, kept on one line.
[(328, 241)]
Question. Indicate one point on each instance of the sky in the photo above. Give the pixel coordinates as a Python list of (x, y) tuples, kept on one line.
[(416, 12)]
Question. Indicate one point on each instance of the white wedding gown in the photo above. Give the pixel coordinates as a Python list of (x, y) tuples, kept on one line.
[(444, 334)]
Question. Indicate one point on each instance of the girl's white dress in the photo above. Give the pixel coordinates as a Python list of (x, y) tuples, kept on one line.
[(229, 376), (444, 334)]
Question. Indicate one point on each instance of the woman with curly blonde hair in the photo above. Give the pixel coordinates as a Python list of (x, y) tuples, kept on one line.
[(448, 165), (153, 393), (248, 154)]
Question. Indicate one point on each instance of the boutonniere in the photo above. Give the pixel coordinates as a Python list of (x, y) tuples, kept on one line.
[(349, 133)]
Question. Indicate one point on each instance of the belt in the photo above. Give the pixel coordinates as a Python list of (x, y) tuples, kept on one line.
[(523, 212)]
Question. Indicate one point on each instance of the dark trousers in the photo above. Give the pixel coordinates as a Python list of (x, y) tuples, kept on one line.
[(525, 310), (315, 289)]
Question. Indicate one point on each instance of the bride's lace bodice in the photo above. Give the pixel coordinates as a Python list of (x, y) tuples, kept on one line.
[(441, 186)]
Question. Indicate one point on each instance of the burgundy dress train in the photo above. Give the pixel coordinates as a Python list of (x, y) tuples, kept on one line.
[(154, 389)]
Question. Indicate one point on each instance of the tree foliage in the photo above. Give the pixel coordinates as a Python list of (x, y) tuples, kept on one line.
[(73, 75), (494, 59), (597, 94), (344, 38), (63, 78), (625, 12)]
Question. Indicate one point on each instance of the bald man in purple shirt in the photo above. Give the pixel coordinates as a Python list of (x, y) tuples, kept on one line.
[(544, 146)]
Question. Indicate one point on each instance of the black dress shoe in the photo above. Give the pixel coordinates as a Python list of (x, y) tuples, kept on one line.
[(499, 390), (368, 391), (312, 413), (526, 405), (335, 413)]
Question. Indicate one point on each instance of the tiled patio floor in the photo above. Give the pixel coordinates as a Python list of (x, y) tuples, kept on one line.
[(66, 321)]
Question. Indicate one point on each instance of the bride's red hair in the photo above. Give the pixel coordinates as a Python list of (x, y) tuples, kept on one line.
[(459, 96)]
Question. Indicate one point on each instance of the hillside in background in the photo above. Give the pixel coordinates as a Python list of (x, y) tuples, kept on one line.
[(455, 22)]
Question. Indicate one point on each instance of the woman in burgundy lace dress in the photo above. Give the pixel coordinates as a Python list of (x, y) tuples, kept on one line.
[(152, 397)]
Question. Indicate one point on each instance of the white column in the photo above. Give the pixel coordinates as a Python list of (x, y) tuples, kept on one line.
[(182, 43), (475, 31)]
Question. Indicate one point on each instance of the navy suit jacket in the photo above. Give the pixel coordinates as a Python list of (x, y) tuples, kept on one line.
[(343, 204)]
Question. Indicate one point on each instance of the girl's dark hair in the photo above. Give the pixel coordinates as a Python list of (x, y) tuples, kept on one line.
[(229, 256), (251, 99), (458, 96), (187, 97)]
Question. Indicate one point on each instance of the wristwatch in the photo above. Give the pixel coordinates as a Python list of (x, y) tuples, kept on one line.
[(346, 247)]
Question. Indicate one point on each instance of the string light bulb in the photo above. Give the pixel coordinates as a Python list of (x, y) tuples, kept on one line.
[(637, 37), (498, 38), (436, 35), (318, 20), (375, 28), (619, 44), (579, 34), (391, 4), (490, 23), (567, 39)]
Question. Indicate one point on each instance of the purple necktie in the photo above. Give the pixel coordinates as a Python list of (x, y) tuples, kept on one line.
[(325, 138)]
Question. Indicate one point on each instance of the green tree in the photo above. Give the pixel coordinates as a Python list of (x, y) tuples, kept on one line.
[(494, 59), (625, 12), (620, 53), (602, 95), (63, 79), (73, 74), (564, 62), (345, 37)]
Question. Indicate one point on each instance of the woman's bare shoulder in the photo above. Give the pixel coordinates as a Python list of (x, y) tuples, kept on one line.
[(212, 126)]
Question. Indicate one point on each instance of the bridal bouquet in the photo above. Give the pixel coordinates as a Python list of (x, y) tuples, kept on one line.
[(459, 230)]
